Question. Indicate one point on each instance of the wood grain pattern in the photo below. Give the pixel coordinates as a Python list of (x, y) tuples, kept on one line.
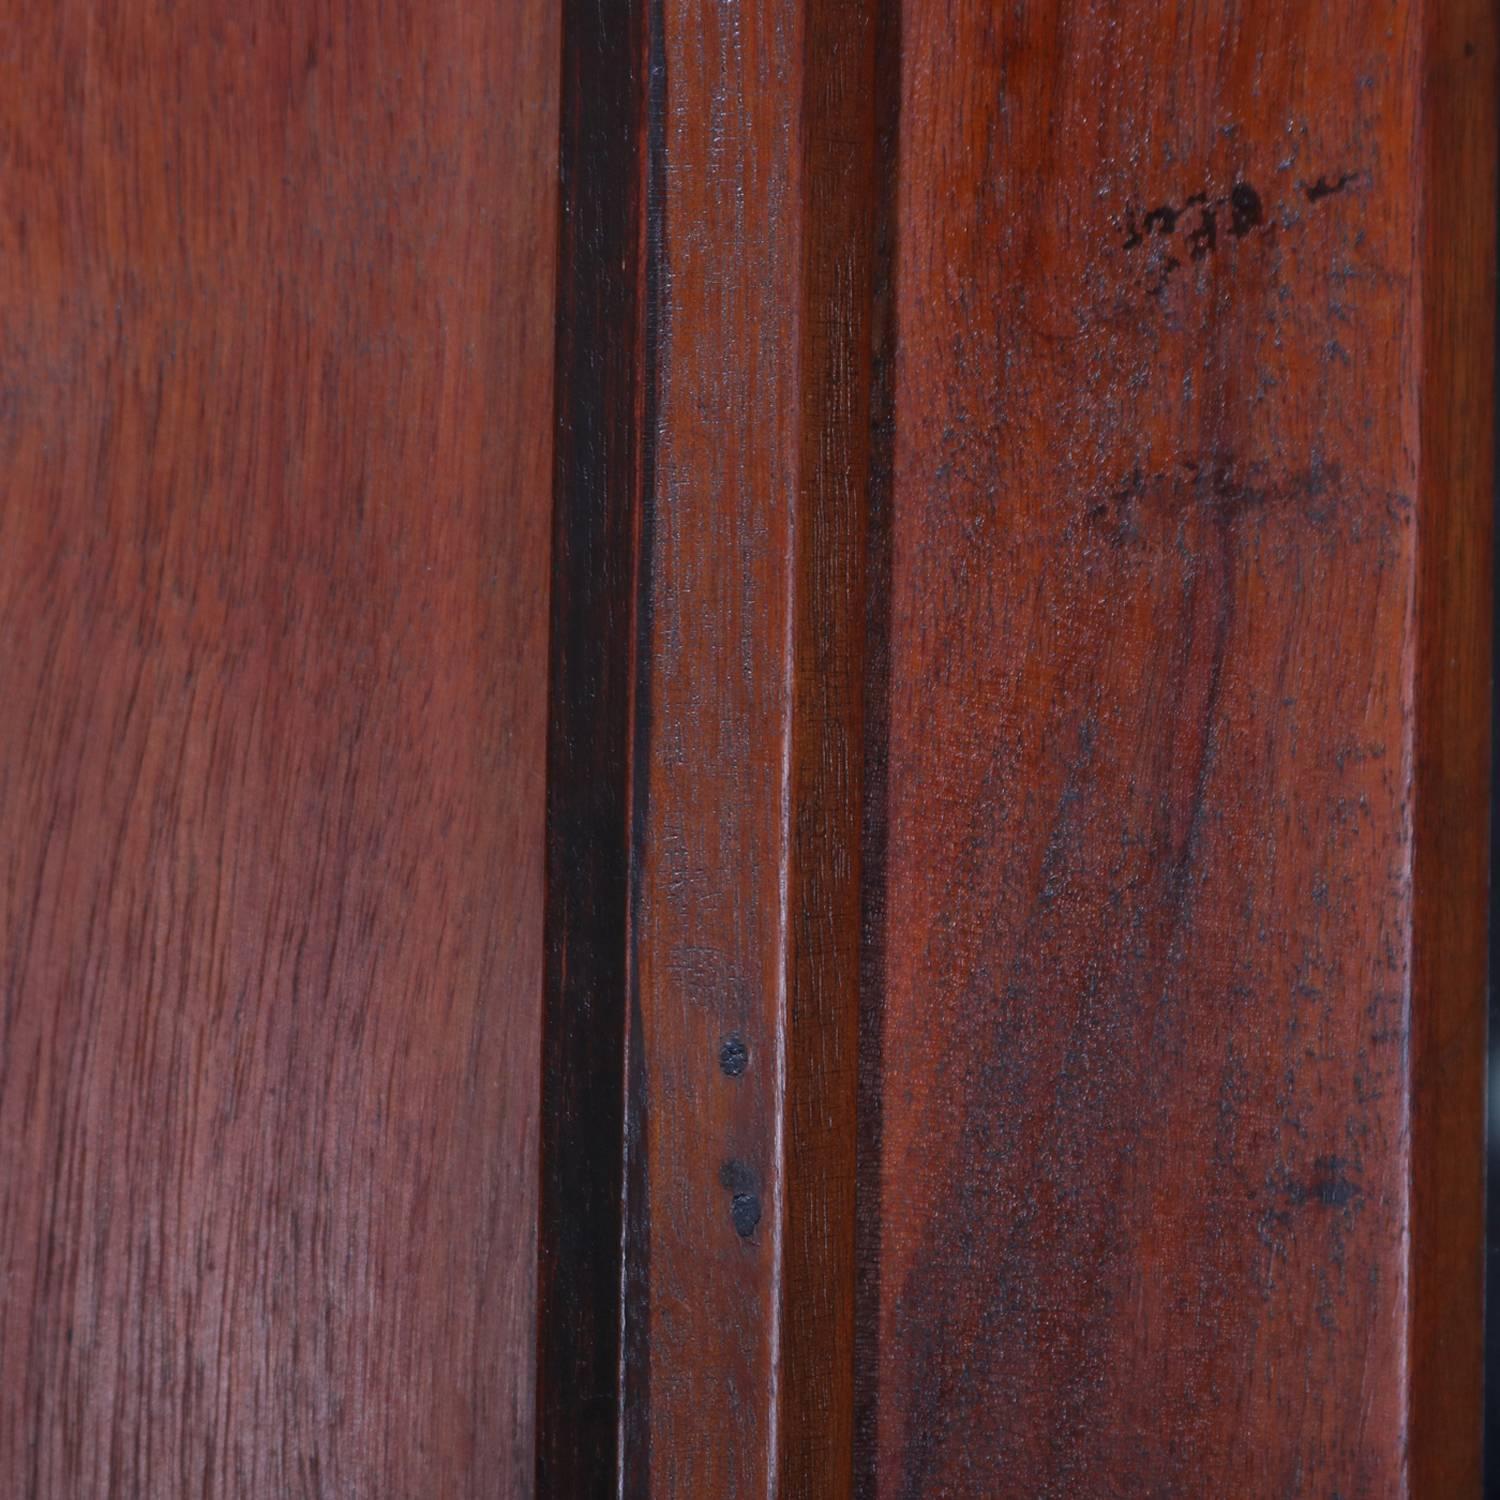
[(826, 774), (1059, 545), (716, 694), (1181, 919), (747, 785), (275, 414), (1452, 749), (996, 603)]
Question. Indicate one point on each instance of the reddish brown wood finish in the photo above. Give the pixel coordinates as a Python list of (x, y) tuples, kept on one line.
[(1179, 1096), (742, 1063), (826, 774), (275, 349), (1014, 730), (1451, 746)]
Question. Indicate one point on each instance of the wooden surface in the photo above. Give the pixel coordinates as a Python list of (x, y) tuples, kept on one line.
[(1181, 919), (746, 782), (601, 474), (1060, 568), (275, 426), (880, 889), (698, 1230), (1452, 750)]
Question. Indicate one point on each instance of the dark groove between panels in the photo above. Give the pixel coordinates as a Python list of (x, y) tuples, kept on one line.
[(601, 475)]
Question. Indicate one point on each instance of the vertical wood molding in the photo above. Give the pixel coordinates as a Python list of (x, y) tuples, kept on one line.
[(748, 862), (1452, 667), (717, 214), (829, 668)]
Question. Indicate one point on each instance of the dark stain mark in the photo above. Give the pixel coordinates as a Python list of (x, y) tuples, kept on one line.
[(734, 1057), (744, 1204), (1168, 266), (1323, 188), (1162, 220), (1330, 1185), (744, 1209), (1469, 49), (1245, 210), (1357, 754), (1217, 486), (1198, 218), (1203, 238)]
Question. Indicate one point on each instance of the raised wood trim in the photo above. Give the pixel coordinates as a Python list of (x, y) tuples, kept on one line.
[(714, 338)]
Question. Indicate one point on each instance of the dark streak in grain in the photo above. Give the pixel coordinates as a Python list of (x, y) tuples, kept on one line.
[(1158, 525)]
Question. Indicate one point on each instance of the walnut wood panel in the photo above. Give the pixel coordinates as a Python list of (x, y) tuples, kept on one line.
[(275, 346), (1177, 1036)]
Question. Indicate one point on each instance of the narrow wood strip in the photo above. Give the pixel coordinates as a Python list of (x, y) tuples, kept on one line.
[(839, 186), (599, 471), (713, 893), (746, 876), (1452, 666), (874, 801)]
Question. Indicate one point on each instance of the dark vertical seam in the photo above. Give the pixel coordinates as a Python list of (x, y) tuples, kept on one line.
[(588, 834), (869, 1148)]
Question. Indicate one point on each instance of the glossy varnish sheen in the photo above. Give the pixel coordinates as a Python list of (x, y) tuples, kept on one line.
[(275, 424)]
